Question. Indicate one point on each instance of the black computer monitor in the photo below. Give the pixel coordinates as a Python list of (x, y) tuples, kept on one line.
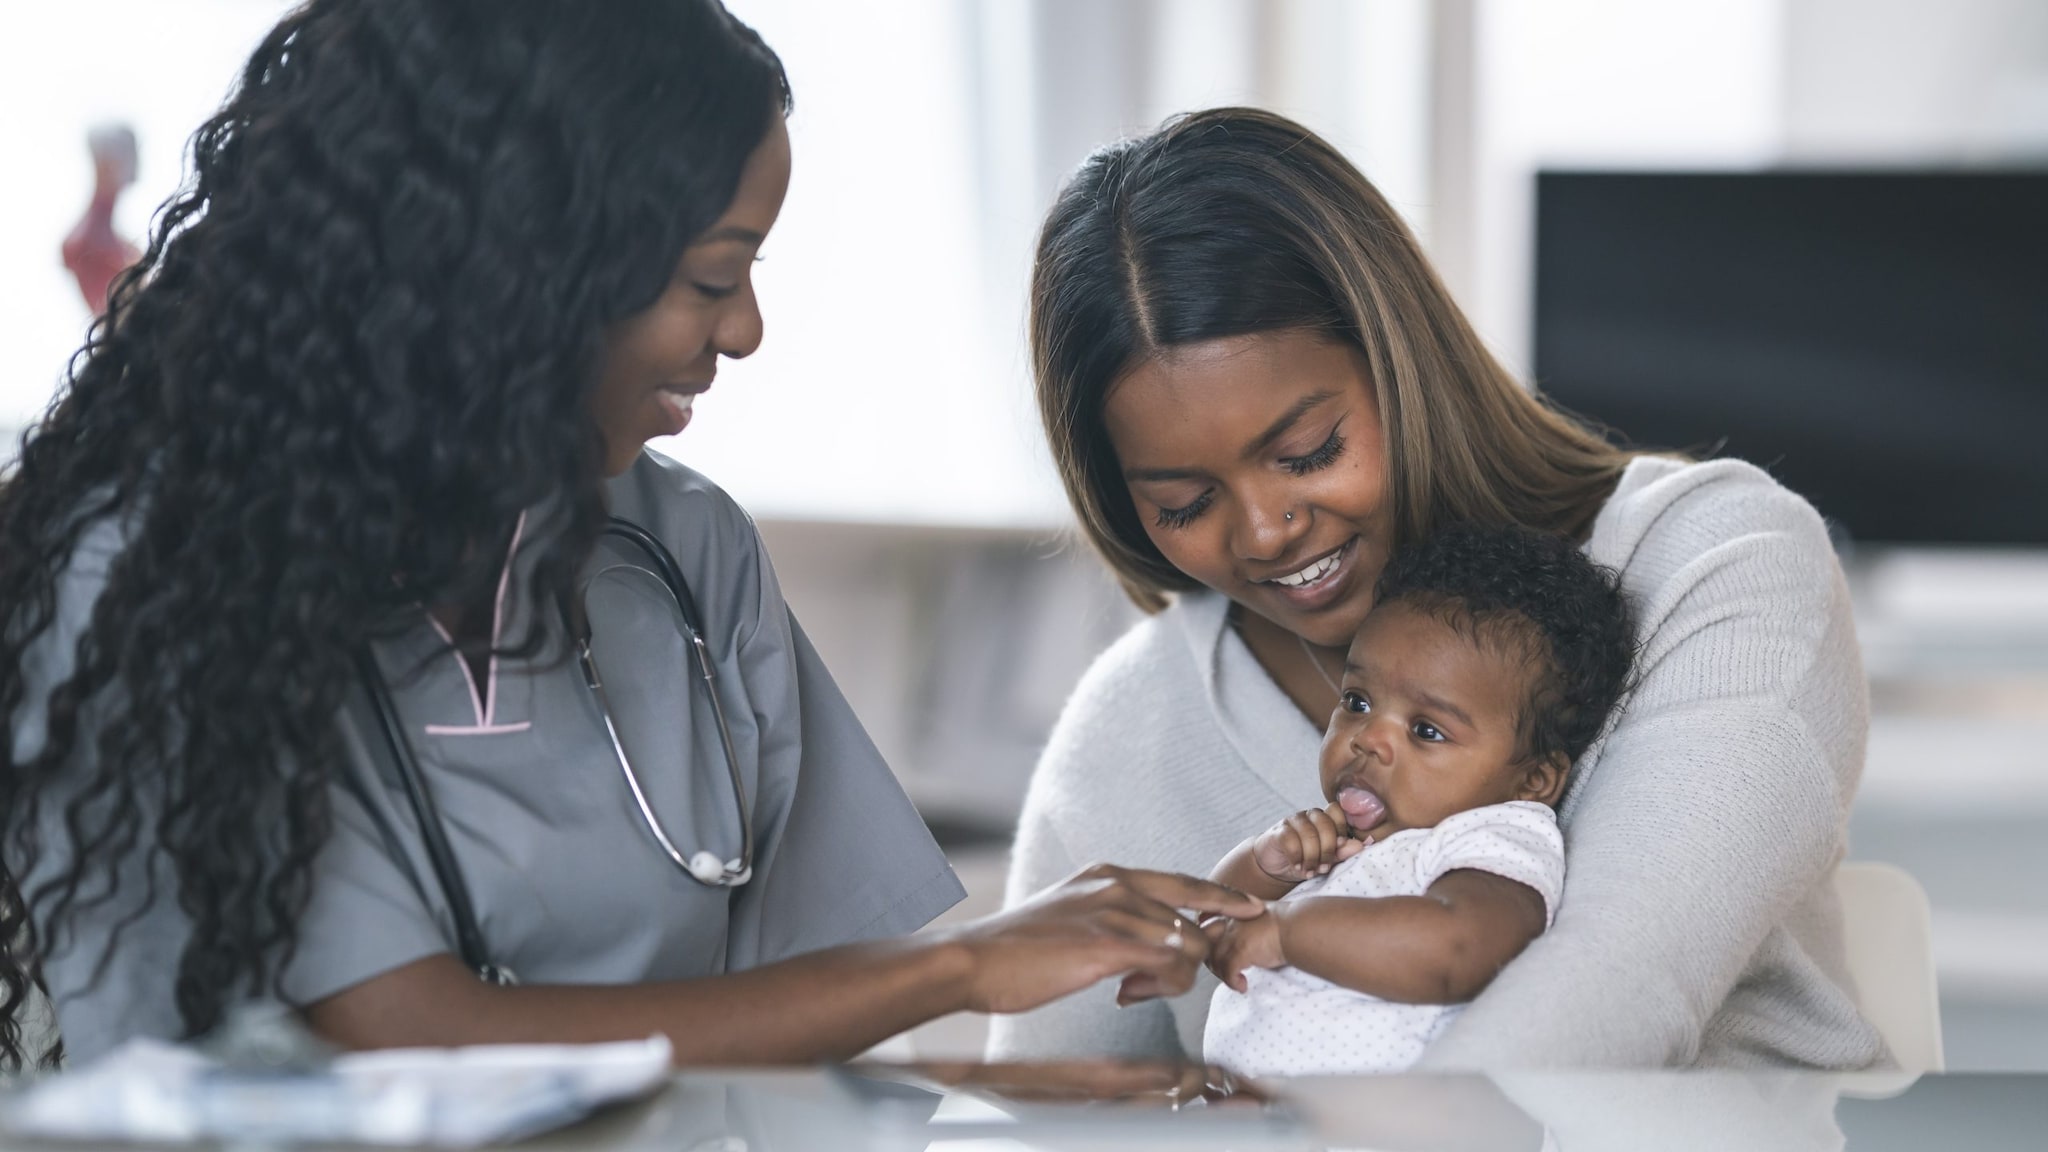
[(1878, 340)]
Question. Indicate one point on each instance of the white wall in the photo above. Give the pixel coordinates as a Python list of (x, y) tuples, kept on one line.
[(1605, 83), (893, 384), (882, 391), (160, 65), (1730, 84), (1904, 80)]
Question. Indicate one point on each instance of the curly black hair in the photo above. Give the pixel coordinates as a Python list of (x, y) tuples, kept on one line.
[(1536, 596), (360, 343)]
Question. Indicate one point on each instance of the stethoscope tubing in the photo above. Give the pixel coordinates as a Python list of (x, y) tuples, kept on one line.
[(469, 938), (702, 866)]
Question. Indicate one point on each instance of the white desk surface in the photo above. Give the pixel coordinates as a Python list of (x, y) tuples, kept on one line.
[(943, 1109)]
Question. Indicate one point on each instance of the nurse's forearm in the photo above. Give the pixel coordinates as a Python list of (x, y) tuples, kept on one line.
[(1101, 922), (828, 1005)]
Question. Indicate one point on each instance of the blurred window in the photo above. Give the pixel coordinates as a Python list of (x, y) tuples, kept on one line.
[(930, 136)]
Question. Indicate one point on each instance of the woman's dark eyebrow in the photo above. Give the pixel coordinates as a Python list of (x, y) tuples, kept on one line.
[(1287, 420), (1161, 474), (729, 233)]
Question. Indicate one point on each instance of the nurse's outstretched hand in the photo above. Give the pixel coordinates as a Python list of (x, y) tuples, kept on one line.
[(1102, 921)]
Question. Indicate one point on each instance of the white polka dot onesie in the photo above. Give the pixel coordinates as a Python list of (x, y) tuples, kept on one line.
[(1289, 1023)]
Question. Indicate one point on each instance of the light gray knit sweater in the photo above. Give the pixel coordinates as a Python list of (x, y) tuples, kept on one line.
[(1697, 926)]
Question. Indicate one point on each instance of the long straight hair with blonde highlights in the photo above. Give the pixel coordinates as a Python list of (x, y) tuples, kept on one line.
[(1235, 221)]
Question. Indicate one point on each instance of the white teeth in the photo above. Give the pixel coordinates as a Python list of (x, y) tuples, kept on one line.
[(1310, 574), (677, 403)]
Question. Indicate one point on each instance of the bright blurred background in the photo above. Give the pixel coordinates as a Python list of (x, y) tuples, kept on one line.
[(885, 435)]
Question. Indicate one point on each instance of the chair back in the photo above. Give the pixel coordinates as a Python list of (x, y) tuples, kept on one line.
[(1887, 930)]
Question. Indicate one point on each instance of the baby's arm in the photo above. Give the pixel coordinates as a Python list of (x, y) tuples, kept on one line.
[(1269, 865), (1443, 947)]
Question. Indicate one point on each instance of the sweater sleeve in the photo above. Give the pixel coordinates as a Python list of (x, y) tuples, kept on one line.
[(1716, 804)]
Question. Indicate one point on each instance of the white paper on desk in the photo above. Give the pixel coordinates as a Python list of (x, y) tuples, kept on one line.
[(452, 1098)]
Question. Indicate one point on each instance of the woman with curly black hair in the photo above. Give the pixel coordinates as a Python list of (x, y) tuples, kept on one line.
[(358, 418)]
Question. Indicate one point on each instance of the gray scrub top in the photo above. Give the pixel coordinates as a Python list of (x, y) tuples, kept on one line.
[(568, 883)]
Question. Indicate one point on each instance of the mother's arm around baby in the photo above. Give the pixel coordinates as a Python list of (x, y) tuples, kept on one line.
[(1697, 924)]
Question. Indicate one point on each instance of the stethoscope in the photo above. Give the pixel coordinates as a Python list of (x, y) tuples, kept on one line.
[(702, 865)]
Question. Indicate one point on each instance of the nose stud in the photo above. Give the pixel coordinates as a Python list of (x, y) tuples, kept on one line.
[(1290, 515)]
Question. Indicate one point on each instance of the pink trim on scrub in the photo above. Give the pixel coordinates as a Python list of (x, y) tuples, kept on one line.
[(478, 730), (475, 701), (485, 703), (498, 622)]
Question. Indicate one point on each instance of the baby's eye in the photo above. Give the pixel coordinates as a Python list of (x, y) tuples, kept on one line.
[(1354, 701), (1424, 730)]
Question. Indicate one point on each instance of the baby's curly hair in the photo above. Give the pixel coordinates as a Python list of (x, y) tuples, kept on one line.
[(1535, 596)]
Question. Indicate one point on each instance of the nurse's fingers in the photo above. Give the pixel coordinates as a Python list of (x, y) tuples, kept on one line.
[(1137, 988), (1158, 960), (1175, 891), (1124, 898), (1181, 938), (1161, 977), (1167, 979), (1140, 986)]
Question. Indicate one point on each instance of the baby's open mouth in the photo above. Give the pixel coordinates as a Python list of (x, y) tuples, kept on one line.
[(1363, 809)]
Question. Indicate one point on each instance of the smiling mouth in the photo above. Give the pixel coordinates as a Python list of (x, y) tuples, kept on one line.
[(677, 403), (676, 400), (1317, 574)]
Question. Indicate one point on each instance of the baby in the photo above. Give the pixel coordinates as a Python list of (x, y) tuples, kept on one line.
[(1490, 661)]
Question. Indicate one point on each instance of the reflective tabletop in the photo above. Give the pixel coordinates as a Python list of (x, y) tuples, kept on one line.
[(1086, 1107)]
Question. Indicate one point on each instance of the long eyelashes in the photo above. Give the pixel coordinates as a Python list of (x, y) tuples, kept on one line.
[(1183, 516), (1322, 457)]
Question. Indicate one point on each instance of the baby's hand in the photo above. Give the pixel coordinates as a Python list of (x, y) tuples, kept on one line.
[(1308, 843), (1235, 945)]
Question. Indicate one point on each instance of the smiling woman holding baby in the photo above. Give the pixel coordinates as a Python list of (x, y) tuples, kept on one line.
[(1258, 392)]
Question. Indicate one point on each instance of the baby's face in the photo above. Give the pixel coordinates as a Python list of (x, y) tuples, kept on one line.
[(1425, 727)]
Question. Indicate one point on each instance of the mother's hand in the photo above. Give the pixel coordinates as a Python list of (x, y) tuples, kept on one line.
[(1102, 921)]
